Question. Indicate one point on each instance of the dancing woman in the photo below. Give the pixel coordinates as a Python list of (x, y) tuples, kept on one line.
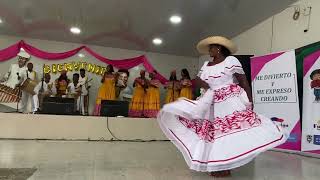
[(220, 131)]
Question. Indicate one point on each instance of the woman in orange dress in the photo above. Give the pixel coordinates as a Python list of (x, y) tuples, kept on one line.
[(173, 88), (107, 90), (186, 84), (137, 103), (152, 101)]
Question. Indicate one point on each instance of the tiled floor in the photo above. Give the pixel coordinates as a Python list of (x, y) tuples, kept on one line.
[(143, 161)]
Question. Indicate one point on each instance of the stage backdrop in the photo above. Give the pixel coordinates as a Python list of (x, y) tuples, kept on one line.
[(275, 93), (52, 50), (311, 103)]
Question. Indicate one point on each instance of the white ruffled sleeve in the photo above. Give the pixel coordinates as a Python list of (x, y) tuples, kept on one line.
[(202, 69), (233, 66)]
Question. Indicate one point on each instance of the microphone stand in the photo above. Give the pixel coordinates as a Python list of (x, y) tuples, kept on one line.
[(173, 91), (87, 103), (144, 98), (40, 94), (80, 101), (19, 92)]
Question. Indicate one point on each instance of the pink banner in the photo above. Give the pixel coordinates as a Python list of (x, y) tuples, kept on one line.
[(258, 63), (267, 74), (311, 104), (12, 51)]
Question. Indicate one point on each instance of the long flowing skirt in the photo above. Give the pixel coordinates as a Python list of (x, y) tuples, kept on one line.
[(219, 131), (107, 91), (152, 103), (137, 103)]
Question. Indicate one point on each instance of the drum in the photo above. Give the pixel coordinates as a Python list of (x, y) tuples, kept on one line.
[(28, 86), (9, 95)]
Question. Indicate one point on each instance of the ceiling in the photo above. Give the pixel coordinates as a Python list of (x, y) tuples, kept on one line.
[(132, 24)]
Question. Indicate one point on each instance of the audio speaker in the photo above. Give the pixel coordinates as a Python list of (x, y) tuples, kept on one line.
[(58, 105), (114, 108)]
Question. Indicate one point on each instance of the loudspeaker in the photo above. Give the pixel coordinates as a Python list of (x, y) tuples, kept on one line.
[(114, 108), (58, 105), (246, 65)]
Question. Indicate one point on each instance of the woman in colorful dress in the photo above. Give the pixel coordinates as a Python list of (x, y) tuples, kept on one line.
[(140, 85), (219, 131), (186, 85), (107, 91), (62, 83), (173, 88), (152, 101)]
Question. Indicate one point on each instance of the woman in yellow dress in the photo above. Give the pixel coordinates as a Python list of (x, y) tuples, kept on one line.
[(107, 91), (173, 88), (186, 84), (137, 103), (152, 101)]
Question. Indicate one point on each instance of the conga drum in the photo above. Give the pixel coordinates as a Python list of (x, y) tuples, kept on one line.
[(28, 86)]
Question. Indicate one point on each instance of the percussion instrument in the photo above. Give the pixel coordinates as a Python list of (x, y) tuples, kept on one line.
[(28, 86), (9, 95)]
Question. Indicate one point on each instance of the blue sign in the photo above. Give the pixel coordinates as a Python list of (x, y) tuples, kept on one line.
[(293, 138), (316, 139)]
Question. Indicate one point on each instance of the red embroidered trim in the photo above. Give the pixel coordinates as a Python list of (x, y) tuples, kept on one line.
[(151, 113), (234, 66), (227, 92), (229, 159), (215, 77), (211, 130)]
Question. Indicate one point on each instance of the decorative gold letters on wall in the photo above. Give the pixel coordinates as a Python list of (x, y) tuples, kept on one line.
[(74, 66)]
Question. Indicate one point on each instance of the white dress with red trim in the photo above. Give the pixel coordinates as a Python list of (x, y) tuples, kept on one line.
[(219, 131)]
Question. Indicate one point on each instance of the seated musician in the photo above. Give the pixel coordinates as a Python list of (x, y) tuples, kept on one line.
[(43, 89), (62, 83), (78, 91)]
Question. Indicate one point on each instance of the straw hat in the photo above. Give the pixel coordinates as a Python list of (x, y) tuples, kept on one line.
[(24, 54), (203, 45)]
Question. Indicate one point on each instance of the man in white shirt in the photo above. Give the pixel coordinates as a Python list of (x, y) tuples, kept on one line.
[(17, 72), (79, 91), (85, 81), (43, 89), (32, 75), (16, 75)]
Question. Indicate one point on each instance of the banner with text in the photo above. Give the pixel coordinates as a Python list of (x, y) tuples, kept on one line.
[(275, 93), (311, 103)]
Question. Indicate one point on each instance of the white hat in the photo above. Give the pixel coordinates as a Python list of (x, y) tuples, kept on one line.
[(203, 45), (24, 54)]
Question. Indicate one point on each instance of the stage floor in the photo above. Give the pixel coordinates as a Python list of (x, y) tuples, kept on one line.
[(60, 160), (63, 127)]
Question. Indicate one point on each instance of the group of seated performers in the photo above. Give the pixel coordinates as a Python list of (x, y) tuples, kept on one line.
[(63, 87)]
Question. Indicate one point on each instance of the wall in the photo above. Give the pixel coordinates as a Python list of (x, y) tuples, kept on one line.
[(30, 126), (281, 32), (162, 62)]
